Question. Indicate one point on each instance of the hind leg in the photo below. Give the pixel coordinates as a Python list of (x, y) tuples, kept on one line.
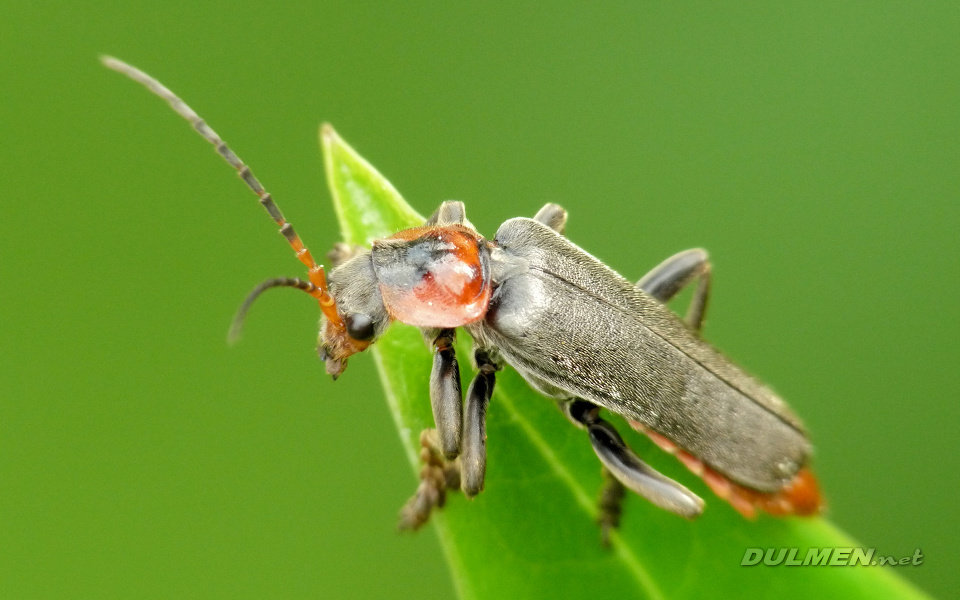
[(667, 279), (624, 469), (664, 281)]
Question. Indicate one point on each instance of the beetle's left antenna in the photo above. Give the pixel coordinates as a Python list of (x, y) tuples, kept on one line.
[(315, 271)]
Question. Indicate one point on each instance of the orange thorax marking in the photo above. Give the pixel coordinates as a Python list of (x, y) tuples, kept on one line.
[(433, 276)]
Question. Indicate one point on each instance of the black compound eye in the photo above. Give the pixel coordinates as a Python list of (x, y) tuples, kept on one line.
[(359, 327)]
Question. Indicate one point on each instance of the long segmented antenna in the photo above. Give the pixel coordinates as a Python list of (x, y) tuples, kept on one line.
[(318, 279), (236, 326)]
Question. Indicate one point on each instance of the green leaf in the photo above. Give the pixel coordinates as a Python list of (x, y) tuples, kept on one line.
[(532, 532)]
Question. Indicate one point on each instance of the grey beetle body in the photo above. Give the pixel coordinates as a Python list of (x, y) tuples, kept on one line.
[(583, 335), (576, 330), (574, 323)]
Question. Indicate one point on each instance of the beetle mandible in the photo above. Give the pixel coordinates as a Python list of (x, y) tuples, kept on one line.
[(577, 331)]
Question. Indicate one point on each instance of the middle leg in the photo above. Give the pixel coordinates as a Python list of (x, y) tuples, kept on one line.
[(473, 461), (441, 472)]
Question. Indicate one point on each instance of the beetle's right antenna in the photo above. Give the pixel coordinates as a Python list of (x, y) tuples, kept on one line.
[(236, 326), (317, 277)]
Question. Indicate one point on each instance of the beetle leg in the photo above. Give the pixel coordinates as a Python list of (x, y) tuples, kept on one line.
[(666, 280), (553, 216), (610, 505), (436, 477), (440, 474), (341, 253), (473, 460), (451, 212), (446, 396), (627, 467)]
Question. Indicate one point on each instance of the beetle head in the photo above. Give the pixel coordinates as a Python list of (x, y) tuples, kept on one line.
[(433, 276), (361, 315), (336, 346), (353, 312)]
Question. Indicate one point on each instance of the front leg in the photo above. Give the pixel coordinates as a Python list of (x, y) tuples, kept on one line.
[(446, 396), (451, 212), (342, 252), (436, 477), (440, 473)]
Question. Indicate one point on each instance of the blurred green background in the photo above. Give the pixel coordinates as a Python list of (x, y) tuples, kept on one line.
[(812, 148)]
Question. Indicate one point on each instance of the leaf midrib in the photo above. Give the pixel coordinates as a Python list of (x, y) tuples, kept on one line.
[(583, 499)]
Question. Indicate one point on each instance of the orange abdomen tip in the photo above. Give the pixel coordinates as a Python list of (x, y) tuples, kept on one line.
[(801, 496)]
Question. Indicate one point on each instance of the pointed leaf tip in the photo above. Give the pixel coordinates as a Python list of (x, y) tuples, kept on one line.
[(368, 207), (531, 534)]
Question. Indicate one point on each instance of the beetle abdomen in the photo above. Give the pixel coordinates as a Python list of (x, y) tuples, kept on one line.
[(800, 496), (571, 321)]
